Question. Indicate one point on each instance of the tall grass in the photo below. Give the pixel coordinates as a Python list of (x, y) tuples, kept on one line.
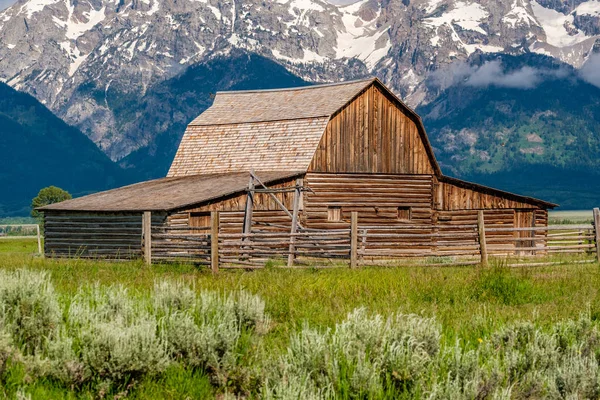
[(370, 333), (105, 340)]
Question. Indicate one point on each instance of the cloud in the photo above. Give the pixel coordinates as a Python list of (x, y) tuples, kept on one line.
[(493, 73), (590, 71)]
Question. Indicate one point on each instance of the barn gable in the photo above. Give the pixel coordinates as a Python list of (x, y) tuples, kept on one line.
[(375, 133)]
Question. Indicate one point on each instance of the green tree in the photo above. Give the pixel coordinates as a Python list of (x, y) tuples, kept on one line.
[(48, 195)]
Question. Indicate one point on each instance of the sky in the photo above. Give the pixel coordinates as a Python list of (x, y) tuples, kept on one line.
[(5, 3)]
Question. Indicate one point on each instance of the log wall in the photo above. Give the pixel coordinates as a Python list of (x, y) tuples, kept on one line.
[(265, 211), (95, 235), (372, 134), (452, 197), (376, 198)]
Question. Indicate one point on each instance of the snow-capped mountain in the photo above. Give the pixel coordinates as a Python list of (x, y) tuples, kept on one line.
[(80, 58)]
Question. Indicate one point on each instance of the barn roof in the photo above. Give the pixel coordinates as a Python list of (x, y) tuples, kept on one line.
[(270, 129), (167, 194), (247, 106)]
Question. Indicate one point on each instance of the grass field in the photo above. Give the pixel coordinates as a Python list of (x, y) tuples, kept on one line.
[(470, 305)]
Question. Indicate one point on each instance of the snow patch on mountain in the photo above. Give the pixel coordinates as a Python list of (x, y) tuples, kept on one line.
[(361, 39), (589, 8), (519, 14), (555, 26), (33, 6), (468, 16), (76, 28)]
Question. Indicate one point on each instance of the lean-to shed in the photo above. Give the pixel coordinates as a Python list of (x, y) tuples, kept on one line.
[(351, 146)]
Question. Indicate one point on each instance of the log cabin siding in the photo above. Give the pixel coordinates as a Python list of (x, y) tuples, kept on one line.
[(376, 198), (452, 197), (372, 134), (231, 210), (95, 235)]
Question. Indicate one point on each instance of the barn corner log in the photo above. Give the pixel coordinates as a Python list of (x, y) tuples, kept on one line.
[(482, 242), (597, 232), (353, 239), (214, 241), (147, 233)]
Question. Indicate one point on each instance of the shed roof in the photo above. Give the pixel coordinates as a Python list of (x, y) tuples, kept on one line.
[(167, 194)]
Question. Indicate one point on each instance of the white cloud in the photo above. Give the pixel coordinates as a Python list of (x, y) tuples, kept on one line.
[(493, 73), (590, 71)]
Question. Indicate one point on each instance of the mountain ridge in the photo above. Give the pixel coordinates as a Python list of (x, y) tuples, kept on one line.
[(38, 149), (55, 49)]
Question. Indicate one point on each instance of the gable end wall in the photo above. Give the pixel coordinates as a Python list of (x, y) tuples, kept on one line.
[(372, 135)]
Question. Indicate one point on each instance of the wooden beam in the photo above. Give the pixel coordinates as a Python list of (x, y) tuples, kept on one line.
[(147, 235), (214, 241), (249, 205), (292, 248), (39, 241), (279, 203), (482, 242), (597, 232), (353, 239)]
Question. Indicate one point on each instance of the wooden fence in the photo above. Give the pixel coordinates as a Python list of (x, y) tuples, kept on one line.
[(425, 244), (22, 231)]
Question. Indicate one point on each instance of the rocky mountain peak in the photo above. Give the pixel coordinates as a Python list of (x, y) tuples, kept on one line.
[(85, 59)]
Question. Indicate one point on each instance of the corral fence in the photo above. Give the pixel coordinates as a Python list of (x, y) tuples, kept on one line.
[(358, 245), (22, 231)]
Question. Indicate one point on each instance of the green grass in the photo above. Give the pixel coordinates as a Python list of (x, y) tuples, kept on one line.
[(470, 303), (465, 299), (18, 246)]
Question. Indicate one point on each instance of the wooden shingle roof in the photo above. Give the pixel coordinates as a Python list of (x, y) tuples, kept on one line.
[(261, 129), (248, 106), (167, 194)]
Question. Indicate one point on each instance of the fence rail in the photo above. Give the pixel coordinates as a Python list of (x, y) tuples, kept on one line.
[(22, 231), (370, 244)]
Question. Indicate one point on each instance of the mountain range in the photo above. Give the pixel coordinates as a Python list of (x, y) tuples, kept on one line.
[(500, 85), (38, 149)]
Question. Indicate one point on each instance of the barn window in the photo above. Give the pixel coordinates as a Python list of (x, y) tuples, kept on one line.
[(200, 219), (404, 213), (334, 213)]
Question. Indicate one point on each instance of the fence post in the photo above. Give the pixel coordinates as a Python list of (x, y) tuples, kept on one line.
[(39, 240), (597, 232), (214, 241), (482, 242), (294, 229), (353, 239), (147, 231)]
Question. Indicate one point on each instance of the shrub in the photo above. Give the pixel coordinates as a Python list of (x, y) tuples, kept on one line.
[(29, 308), (7, 352), (109, 337), (205, 331), (364, 356)]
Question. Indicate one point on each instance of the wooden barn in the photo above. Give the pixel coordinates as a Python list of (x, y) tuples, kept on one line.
[(317, 154)]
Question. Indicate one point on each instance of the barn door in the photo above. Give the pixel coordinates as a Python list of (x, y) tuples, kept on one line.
[(524, 219)]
